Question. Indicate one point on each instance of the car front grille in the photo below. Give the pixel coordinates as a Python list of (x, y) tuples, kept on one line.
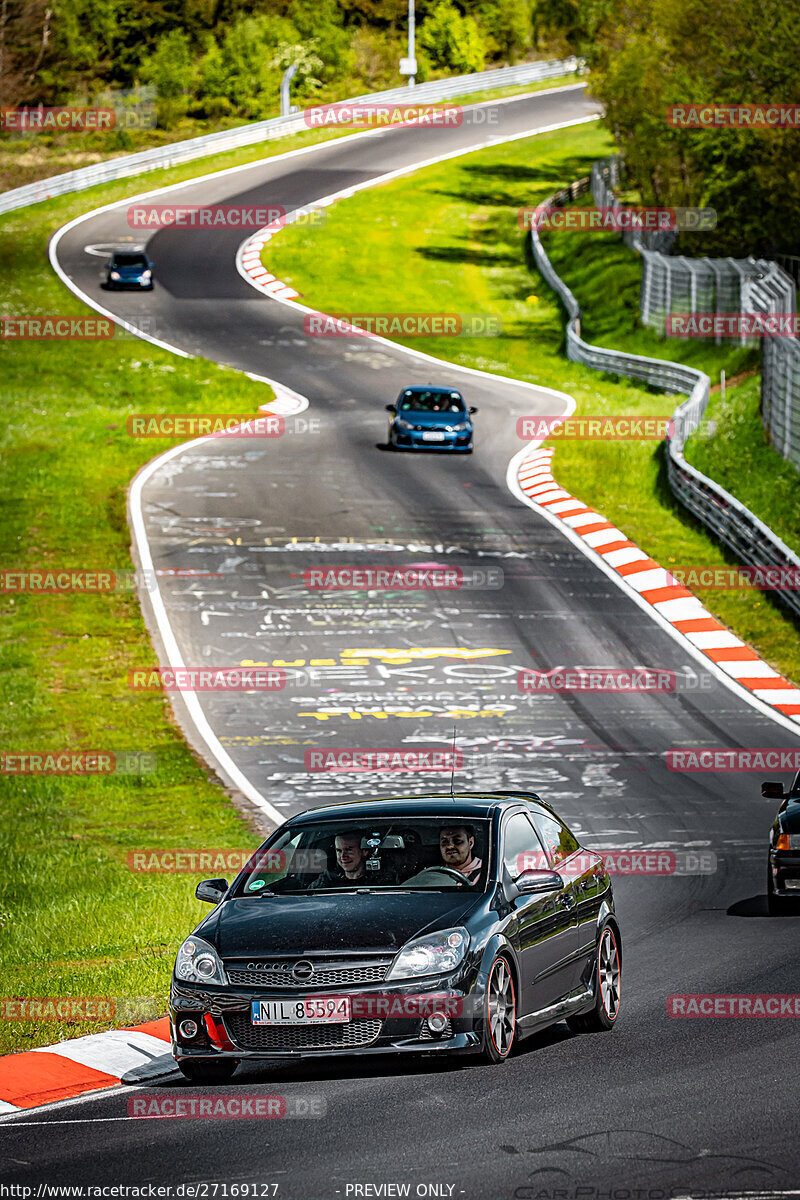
[(276, 975), (349, 1034)]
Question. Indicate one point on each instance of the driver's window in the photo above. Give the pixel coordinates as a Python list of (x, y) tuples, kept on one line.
[(521, 848)]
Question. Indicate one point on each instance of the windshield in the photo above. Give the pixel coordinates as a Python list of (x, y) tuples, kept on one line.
[(450, 402), (130, 260), (428, 854)]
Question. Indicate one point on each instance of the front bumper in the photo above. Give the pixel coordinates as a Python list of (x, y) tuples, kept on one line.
[(136, 285), (785, 867), (414, 440), (225, 1029)]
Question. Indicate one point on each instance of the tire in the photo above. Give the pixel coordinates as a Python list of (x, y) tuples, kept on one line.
[(500, 1015), (607, 987), (208, 1070)]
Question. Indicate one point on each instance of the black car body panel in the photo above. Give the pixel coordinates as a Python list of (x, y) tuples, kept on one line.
[(783, 871), (297, 924), (334, 944)]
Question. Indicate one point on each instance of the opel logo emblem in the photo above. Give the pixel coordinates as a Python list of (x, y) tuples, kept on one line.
[(303, 970)]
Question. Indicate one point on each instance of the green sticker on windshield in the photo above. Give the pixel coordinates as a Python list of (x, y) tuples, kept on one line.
[(256, 884)]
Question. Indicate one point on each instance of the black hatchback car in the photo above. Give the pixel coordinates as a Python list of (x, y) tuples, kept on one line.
[(454, 924), (783, 860)]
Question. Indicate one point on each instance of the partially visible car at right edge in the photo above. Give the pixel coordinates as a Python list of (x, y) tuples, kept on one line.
[(783, 862)]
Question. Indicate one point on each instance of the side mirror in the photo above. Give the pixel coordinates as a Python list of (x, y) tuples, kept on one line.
[(771, 790), (472, 410), (536, 883), (391, 408), (211, 890)]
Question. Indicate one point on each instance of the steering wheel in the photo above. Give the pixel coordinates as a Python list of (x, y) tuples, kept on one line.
[(451, 871)]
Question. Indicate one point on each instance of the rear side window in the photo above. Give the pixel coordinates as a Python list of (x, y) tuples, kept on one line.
[(558, 841)]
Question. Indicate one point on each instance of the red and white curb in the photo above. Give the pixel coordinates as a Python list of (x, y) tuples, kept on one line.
[(257, 274), (655, 586), (85, 1064)]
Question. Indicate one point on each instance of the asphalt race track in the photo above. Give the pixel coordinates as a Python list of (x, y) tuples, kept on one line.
[(669, 1107)]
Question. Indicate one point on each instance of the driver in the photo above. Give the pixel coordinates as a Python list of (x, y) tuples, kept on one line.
[(456, 846), (350, 859)]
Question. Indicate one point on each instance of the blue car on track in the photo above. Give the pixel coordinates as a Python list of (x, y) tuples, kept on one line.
[(428, 416), (129, 269)]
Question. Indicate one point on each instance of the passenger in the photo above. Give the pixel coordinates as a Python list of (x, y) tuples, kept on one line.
[(350, 859), (456, 845)]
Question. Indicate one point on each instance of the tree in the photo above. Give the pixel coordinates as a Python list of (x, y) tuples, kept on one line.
[(171, 70), (451, 40)]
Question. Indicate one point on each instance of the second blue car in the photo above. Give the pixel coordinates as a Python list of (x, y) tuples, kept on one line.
[(431, 417)]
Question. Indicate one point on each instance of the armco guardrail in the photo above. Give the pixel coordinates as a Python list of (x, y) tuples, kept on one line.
[(247, 135), (736, 526)]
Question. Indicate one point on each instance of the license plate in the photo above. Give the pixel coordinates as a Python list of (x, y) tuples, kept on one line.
[(433, 436), (308, 1011)]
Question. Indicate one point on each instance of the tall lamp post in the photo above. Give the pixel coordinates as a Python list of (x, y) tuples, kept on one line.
[(408, 66)]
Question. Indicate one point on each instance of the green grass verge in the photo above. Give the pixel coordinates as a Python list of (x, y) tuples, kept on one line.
[(75, 921), (732, 447), (448, 239)]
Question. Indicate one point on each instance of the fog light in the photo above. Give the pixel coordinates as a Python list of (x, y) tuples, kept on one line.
[(188, 1029), (437, 1023)]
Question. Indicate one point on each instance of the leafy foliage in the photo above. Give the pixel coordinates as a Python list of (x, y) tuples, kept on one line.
[(210, 59), (649, 54)]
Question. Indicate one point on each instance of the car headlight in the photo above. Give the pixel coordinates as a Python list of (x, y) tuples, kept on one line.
[(198, 962), (399, 423), (434, 954), (146, 274), (115, 274), (458, 428)]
